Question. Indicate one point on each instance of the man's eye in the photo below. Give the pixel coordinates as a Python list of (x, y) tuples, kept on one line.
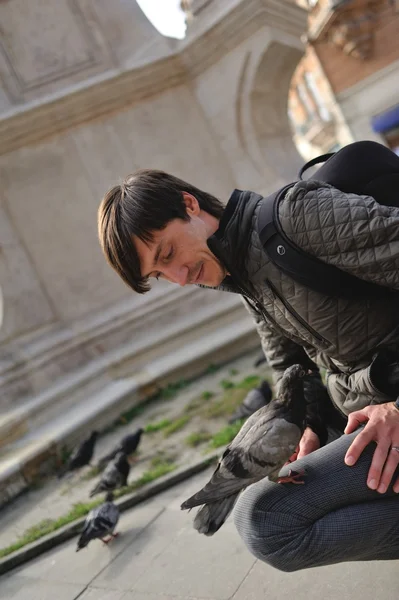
[(169, 254)]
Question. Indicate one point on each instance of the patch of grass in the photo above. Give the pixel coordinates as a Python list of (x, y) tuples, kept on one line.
[(196, 438), (226, 405), (225, 435), (160, 469), (233, 372), (212, 369), (161, 459), (226, 384), (197, 403), (249, 382), (153, 427), (169, 391), (65, 453), (176, 425)]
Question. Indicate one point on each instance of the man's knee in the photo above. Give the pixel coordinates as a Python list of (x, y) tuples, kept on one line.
[(268, 535)]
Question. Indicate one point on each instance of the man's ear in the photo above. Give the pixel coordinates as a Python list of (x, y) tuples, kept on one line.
[(192, 205)]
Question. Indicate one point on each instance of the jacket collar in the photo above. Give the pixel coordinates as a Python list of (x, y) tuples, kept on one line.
[(230, 242)]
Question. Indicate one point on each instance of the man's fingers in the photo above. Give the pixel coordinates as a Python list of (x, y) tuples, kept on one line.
[(389, 469), (377, 465), (358, 445), (354, 420)]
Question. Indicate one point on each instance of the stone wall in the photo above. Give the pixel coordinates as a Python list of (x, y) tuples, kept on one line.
[(89, 93)]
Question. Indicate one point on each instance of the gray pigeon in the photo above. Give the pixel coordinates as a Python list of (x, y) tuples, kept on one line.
[(262, 446), (128, 445), (81, 456), (114, 476), (100, 521)]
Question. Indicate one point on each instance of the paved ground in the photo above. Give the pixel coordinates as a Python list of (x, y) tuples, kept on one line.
[(158, 556)]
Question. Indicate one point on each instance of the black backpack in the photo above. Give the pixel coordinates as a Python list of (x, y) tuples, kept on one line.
[(307, 269)]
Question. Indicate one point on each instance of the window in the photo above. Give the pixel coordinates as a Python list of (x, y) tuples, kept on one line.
[(317, 96)]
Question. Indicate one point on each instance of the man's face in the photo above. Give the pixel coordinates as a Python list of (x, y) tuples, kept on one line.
[(179, 253)]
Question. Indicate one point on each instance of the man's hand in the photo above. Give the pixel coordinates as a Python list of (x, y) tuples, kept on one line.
[(382, 426), (309, 442)]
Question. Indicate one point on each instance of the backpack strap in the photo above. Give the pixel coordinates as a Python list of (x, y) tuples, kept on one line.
[(315, 161), (303, 267)]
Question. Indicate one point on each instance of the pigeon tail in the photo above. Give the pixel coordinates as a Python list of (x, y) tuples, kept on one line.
[(97, 489), (215, 490), (211, 517)]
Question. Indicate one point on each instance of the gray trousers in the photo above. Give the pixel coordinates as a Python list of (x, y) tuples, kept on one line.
[(334, 517)]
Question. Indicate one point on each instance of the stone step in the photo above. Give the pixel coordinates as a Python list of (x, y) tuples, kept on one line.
[(30, 455)]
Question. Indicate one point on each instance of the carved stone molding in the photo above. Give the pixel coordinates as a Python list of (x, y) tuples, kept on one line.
[(349, 26), (353, 31)]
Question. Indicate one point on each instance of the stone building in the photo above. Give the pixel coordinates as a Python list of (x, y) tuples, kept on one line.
[(352, 58), (89, 92)]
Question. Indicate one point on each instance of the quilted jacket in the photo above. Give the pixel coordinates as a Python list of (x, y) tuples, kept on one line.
[(297, 324)]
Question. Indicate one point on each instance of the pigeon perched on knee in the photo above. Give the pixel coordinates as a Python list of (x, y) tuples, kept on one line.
[(100, 522), (81, 456), (260, 449), (128, 445), (254, 400), (114, 476)]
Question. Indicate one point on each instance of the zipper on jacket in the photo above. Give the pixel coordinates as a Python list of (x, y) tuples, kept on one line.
[(296, 316), (258, 307)]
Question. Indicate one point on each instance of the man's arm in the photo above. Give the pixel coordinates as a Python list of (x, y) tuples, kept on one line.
[(361, 237), (281, 353)]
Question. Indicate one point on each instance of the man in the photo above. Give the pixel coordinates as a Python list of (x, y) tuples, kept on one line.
[(155, 225)]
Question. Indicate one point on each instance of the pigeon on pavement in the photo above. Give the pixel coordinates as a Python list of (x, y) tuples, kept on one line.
[(128, 445), (114, 476), (254, 400), (262, 446), (100, 522), (81, 456)]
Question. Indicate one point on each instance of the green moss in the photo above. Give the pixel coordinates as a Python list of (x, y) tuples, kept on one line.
[(225, 406), (225, 435), (226, 384), (196, 438), (176, 425), (153, 427), (169, 391), (249, 382)]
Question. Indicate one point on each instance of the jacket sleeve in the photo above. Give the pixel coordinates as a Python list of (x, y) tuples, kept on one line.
[(351, 232), (281, 353)]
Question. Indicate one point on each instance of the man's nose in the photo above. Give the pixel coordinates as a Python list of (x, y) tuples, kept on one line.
[(178, 274)]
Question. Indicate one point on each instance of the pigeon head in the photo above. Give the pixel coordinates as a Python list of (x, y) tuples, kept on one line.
[(291, 382), (295, 372), (82, 543)]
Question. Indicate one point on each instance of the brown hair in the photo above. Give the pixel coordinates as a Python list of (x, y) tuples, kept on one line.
[(144, 202)]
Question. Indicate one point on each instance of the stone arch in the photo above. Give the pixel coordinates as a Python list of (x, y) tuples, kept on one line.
[(264, 122)]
